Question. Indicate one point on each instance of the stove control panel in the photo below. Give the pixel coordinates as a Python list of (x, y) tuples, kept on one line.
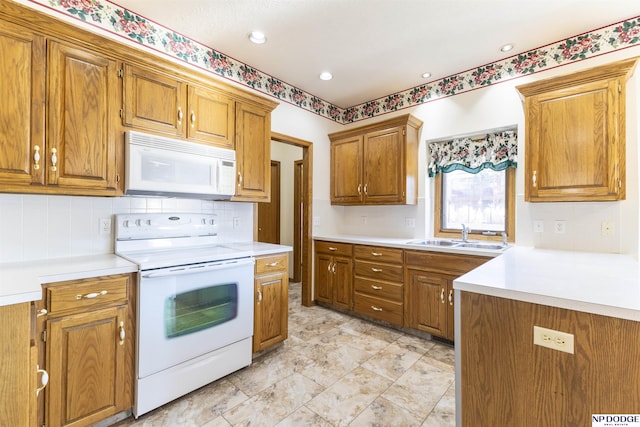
[(164, 225)]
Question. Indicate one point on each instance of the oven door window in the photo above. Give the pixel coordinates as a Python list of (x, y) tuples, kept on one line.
[(199, 309)]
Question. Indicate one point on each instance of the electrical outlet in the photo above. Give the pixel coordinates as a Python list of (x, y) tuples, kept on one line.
[(104, 225), (236, 222), (538, 226), (607, 228), (554, 340), (410, 222), (559, 227), (363, 220)]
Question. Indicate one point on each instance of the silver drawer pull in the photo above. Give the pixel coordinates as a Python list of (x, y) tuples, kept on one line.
[(273, 264), (376, 270), (91, 295), (377, 288), (374, 308), (331, 248), (376, 254)]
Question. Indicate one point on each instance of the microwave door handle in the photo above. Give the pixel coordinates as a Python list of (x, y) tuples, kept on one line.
[(215, 175), (196, 269)]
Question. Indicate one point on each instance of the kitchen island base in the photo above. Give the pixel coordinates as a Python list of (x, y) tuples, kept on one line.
[(504, 379)]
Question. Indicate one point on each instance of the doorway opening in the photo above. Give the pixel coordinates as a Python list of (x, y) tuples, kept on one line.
[(300, 194)]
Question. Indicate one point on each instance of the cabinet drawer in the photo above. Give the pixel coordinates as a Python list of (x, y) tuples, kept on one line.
[(374, 288), (334, 248), (378, 254), (267, 264), (378, 308), (447, 263), (86, 293), (376, 271)]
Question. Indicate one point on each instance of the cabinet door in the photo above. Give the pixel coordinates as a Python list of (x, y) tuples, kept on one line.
[(211, 117), (346, 171), (154, 101), (427, 306), (17, 388), (323, 276), (450, 311), (22, 64), (384, 166), (271, 313), (83, 95), (253, 153), (342, 282), (572, 145), (86, 359)]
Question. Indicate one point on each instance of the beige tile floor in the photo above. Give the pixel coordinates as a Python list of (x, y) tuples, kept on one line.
[(334, 370)]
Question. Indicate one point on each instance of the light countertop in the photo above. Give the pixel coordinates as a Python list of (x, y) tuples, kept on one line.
[(22, 281), (403, 243), (598, 283)]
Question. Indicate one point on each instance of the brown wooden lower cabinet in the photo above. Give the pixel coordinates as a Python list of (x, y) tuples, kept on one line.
[(333, 278), (429, 296), (89, 339), (18, 356), (378, 280), (506, 380), (407, 288), (429, 306), (271, 308)]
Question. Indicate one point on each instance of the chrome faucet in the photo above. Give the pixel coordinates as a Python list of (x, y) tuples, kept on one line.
[(465, 233), (504, 238)]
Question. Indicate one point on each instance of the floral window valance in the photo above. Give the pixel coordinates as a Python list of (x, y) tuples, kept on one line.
[(495, 150)]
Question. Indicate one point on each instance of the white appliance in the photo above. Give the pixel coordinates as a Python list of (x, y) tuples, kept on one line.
[(194, 304), (160, 166)]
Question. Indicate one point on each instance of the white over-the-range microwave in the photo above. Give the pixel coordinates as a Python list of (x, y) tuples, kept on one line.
[(161, 166)]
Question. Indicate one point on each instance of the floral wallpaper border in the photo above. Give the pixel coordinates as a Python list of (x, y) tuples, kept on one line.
[(119, 21)]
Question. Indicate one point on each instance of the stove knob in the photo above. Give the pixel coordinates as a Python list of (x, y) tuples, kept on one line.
[(126, 223), (138, 222)]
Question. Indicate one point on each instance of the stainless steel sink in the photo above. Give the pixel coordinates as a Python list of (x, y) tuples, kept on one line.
[(488, 246), (446, 243), (458, 244)]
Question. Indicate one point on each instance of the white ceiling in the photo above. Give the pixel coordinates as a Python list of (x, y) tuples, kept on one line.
[(376, 47)]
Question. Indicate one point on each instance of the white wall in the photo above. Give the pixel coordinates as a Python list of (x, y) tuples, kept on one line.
[(495, 106), (36, 227), (286, 155), (498, 106)]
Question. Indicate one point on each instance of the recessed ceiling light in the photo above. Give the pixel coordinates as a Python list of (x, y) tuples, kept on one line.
[(325, 75), (257, 37), (506, 48), (426, 75)]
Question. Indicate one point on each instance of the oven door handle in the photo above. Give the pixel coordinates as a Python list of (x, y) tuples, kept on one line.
[(194, 269)]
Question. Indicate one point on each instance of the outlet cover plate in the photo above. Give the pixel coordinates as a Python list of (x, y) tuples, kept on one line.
[(555, 340)]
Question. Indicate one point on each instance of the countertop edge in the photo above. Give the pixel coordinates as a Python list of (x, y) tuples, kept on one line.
[(401, 243), (535, 276), (22, 281)]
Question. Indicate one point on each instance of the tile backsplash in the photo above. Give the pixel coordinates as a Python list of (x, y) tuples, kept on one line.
[(36, 227)]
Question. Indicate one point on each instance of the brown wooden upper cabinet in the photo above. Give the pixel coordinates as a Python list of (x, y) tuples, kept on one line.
[(79, 153), (575, 135), (22, 64), (83, 96), (376, 164), (253, 153), (163, 103)]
